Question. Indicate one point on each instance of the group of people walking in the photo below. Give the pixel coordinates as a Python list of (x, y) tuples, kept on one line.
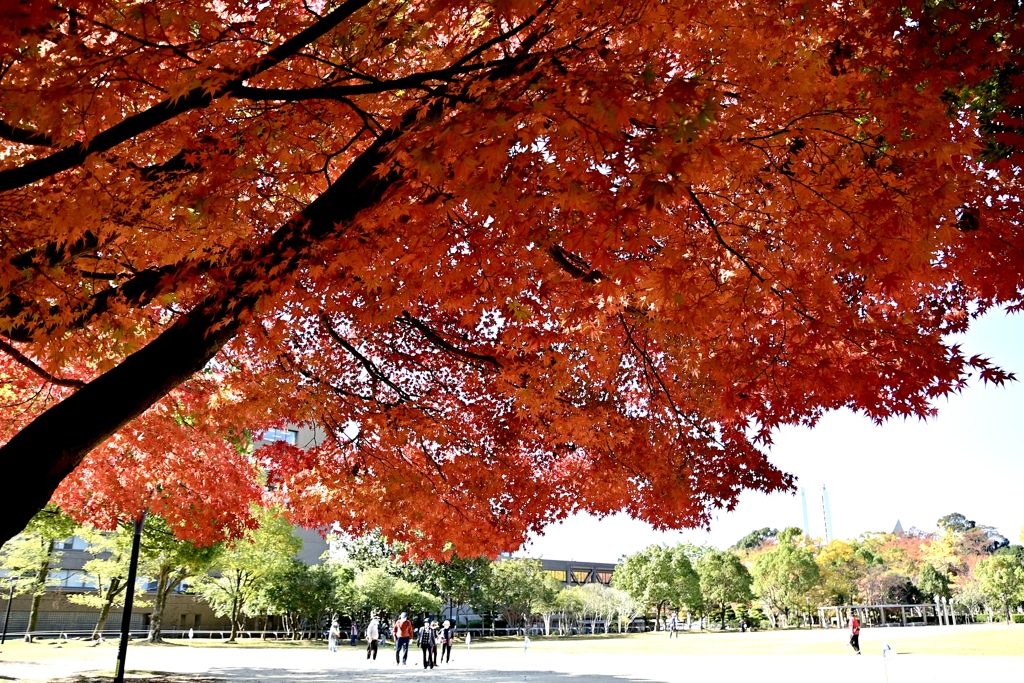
[(430, 637)]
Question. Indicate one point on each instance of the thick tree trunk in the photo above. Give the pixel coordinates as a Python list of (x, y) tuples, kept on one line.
[(113, 589), (723, 616), (156, 620), (234, 619), (42, 454), (38, 587)]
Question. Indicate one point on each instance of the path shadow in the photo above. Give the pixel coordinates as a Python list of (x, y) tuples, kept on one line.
[(410, 674)]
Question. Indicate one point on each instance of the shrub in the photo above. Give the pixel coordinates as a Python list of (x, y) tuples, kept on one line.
[(1018, 618)]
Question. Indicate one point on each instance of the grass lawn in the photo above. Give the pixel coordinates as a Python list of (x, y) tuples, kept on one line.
[(996, 640)]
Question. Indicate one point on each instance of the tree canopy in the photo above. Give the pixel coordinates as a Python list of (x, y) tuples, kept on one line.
[(499, 253)]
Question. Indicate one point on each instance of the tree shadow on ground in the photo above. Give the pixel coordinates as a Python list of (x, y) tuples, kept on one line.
[(410, 674), (406, 674)]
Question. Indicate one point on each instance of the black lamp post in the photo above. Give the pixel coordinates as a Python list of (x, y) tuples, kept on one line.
[(7, 617), (129, 594)]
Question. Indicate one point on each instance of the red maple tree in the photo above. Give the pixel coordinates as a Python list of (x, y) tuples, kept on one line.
[(514, 259)]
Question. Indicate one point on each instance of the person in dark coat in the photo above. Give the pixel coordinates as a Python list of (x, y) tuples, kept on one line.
[(427, 641)]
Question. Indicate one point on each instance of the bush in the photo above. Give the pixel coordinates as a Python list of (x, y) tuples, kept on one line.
[(1018, 618)]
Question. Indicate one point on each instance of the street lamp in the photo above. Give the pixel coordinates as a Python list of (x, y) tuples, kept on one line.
[(7, 617)]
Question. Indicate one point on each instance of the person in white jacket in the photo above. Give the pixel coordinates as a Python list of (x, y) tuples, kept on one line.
[(372, 636), (332, 637)]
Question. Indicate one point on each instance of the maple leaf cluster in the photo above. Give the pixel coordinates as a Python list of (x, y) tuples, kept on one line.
[(512, 259)]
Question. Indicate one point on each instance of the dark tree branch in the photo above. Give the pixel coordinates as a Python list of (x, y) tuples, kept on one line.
[(574, 265), (24, 360), (47, 450), (197, 98), (438, 341), (342, 92), (718, 235), (649, 363), (753, 271), (25, 136), (368, 364)]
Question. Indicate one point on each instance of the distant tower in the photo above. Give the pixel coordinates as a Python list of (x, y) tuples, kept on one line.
[(827, 511), (803, 503)]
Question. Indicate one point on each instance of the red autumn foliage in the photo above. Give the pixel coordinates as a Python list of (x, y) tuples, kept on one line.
[(515, 259)]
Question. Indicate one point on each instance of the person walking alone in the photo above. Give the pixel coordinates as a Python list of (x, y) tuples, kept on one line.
[(403, 635), (673, 626), (372, 636), (332, 637), (854, 633)]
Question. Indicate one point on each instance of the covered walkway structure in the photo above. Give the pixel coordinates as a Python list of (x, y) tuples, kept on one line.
[(939, 613)]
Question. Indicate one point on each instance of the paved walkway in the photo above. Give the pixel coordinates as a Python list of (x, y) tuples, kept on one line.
[(487, 665)]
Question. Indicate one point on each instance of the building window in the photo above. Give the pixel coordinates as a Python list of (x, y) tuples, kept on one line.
[(580, 575), (73, 543), (70, 578), (603, 577), (289, 436), (557, 573)]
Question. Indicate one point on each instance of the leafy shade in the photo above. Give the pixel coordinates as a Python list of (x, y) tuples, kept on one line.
[(514, 259)]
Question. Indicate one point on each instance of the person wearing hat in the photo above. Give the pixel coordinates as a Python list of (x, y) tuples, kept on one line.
[(403, 635), (428, 643), (446, 637)]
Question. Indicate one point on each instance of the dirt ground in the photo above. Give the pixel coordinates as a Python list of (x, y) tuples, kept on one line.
[(804, 656)]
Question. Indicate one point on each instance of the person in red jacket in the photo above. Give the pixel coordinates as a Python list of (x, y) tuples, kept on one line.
[(855, 633), (403, 634)]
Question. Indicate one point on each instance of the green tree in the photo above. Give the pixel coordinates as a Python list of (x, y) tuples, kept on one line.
[(547, 606), (373, 551), (783, 578), (31, 553), (236, 587), (170, 561), (956, 523), (660, 576), (111, 552), (457, 581), (571, 604), (723, 580), (516, 588), (601, 603), (932, 582), (377, 592), (840, 567), (1002, 581), (627, 607), (308, 596), (755, 539)]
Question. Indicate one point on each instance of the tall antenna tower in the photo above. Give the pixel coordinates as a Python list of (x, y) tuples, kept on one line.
[(827, 512), (803, 503)]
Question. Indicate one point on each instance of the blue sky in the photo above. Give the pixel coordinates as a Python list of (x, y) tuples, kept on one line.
[(969, 459)]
